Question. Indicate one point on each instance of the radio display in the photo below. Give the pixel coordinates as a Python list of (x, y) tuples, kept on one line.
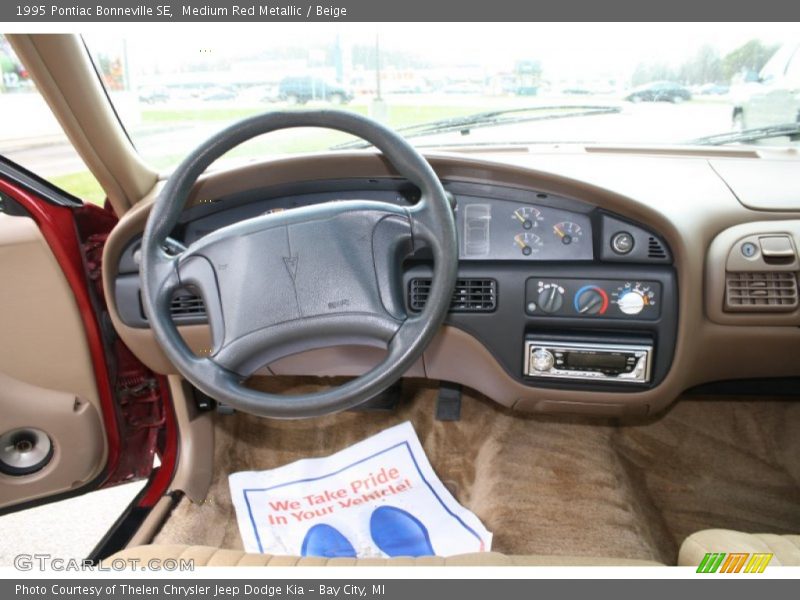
[(587, 360)]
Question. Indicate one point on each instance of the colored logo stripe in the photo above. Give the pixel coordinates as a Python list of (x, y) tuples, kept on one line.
[(734, 562), (711, 562), (758, 563), (723, 562)]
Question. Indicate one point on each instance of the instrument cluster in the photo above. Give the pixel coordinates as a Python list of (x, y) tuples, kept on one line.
[(493, 229)]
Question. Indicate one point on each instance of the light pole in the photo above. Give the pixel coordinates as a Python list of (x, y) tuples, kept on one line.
[(378, 109)]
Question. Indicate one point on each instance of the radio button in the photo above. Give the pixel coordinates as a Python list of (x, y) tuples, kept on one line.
[(542, 360)]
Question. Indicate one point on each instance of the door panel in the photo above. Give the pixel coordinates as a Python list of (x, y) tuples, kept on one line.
[(47, 379), (74, 428)]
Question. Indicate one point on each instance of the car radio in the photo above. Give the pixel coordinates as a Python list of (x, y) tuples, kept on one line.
[(612, 363)]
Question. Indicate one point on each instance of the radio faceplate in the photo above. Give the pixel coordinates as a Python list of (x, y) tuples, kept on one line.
[(600, 362)]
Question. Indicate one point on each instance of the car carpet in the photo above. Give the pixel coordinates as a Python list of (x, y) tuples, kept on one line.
[(547, 485)]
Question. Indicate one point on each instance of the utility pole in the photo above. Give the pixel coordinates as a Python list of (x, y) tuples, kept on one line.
[(378, 109), (378, 66)]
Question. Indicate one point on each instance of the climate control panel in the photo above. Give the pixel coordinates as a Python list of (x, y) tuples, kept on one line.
[(592, 298)]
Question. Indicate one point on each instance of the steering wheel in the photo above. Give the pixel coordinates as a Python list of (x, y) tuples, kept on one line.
[(310, 277)]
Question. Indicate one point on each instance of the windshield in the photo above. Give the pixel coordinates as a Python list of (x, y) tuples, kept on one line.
[(643, 84)]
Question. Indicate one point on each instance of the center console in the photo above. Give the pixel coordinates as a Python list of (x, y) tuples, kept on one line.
[(563, 294)]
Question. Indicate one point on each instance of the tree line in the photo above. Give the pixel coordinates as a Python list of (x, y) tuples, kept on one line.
[(708, 65)]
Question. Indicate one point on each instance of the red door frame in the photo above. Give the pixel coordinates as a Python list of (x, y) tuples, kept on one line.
[(57, 224)]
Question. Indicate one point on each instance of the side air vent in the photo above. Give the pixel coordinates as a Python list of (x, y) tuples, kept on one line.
[(772, 291), (655, 249), (185, 303), (470, 295)]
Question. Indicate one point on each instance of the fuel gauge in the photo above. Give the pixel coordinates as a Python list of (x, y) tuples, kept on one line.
[(528, 243), (568, 232)]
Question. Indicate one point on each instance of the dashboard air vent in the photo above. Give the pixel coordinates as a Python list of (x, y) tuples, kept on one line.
[(772, 291), (470, 295), (655, 249), (185, 303)]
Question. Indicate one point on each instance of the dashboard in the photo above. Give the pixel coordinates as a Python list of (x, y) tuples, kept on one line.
[(497, 225), (584, 285), (532, 264)]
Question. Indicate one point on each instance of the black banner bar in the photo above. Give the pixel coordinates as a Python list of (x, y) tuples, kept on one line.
[(267, 588), (148, 11)]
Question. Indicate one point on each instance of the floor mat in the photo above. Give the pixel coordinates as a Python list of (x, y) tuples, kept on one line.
[(553, 486)]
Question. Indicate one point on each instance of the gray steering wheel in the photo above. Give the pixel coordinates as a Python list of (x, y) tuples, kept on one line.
[(310, 277)]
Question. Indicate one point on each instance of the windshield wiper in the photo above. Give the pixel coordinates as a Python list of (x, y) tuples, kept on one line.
[(792, 130), (493, 118)]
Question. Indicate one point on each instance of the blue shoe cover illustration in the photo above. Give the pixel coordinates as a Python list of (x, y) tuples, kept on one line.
[(327, 541), (399, 533)]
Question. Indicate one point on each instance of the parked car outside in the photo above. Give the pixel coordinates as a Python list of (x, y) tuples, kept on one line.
[(659, 91), (713, 89), (219, 94), (299, 90), (774, 99), (153, 95)]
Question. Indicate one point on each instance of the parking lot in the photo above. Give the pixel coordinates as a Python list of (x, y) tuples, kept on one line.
[(164, 132)]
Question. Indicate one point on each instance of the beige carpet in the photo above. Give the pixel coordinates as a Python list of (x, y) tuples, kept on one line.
[(548, 485)]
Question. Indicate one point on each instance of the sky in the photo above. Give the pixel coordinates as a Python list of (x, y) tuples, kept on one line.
[(566, 50)]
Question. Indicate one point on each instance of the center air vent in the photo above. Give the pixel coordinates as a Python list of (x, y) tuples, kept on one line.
[(470, 295), (771, 291)]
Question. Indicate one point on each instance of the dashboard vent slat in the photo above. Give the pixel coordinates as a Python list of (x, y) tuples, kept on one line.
[(655, 249), (771, 291), (185, 303), (470, 295), (183, 306)]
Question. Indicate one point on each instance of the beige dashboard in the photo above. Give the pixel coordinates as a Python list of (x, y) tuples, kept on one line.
[(680, 195)]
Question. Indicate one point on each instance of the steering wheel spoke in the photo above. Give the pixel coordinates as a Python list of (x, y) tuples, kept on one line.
[(163, 269)]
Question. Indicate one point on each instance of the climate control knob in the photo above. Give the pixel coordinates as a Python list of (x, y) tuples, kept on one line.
[(542, 360), (631, 303), (551, 298), (591, 300)]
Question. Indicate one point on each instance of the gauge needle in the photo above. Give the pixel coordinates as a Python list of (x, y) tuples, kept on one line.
[(559, 233), (519, 218), (519, 242)]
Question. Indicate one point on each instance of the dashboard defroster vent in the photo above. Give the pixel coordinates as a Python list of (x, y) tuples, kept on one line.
[(470, 295), (655, 249), (771, 291)]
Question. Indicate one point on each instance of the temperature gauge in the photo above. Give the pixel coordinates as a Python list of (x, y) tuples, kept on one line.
[(528, 243), (567, 232), (528, 216)]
